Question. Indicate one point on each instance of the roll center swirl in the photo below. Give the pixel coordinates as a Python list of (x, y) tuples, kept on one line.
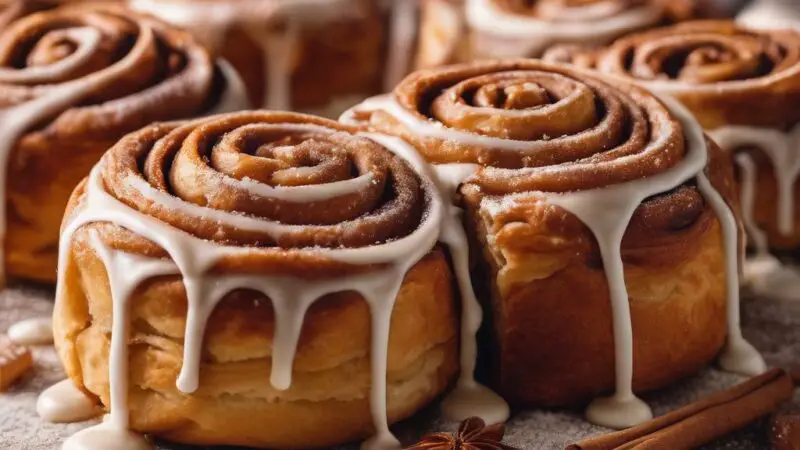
[(277, 180)]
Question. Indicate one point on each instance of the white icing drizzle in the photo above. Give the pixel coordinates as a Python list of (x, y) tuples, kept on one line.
[(192, 14), (234, 97), (607, 212), (104, 436), (279, 47), (783, 150), (212, 20), (747, 199), (37, 331), (63, 402), (469, 398), (771, 14), (402, 33), (17, 120), (192, 258), (764, 274), (414, 123), (529, 36)]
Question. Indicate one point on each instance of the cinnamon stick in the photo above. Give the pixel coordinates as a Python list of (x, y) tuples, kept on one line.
[(703, 421)]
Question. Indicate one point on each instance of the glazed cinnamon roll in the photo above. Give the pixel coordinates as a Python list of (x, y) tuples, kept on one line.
[(465, 30), (310, 55), (263, 279), (603, 218), (744, 87), (73, 80)]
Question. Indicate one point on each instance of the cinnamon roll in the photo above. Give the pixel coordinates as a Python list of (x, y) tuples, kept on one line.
[(744, 87), (308, 55), (264, 279), (465, 30), (602, 215), (73, 80)]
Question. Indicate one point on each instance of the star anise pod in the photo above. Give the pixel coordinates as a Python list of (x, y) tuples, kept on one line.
[(473, 434)]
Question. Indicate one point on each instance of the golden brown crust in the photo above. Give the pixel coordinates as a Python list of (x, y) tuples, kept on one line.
[(550, 307), (49, 161), (328, 402), (727, 75), (551, 302)]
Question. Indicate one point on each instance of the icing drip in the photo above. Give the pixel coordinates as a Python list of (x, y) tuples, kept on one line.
[(125, 273), (781, 148), (402, 31), (279, 47), (38, 331), (192, 257), (211, 21), (106, 435), (530, 36), (747, 198), (65, 403), (224, 14), (763, 273), (738, 356), (607, 212), (234, 98), (469, 398), (18, 119)]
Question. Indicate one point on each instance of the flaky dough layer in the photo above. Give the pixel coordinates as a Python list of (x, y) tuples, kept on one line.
[(328, 401)]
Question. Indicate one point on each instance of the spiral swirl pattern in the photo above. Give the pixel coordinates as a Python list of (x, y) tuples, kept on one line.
[(535, 126), (705, 53), (724, 73), (129, 65), (554, 163), (292, 207), (273, 181)]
